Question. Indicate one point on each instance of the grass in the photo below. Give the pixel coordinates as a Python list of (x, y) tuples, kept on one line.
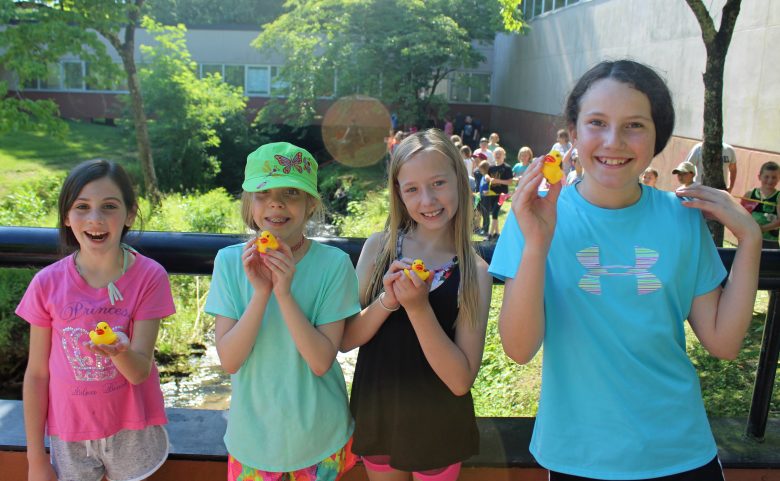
[(25, 155)]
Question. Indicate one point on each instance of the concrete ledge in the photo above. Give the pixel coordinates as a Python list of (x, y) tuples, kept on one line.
[(197, 448)]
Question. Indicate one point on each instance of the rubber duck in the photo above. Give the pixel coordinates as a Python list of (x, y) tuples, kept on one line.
[(418, 266), (102, 334), (266, 241), (551, 170)]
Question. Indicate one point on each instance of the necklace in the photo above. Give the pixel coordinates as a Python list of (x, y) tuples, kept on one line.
[(113, 292), (299, 244)]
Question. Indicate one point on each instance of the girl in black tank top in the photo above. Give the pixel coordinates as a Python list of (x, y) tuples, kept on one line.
[(420, 340)]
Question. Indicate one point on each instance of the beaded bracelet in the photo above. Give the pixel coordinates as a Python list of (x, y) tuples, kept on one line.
[(381, 303)]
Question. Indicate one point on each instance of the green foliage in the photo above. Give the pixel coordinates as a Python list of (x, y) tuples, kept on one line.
[(365, 216), (20, 114), (14, 333), (503, 387), (209, 12), (727, 386), (215, 211), (32, 202), (187, 111), (38, 34), (395, 50)]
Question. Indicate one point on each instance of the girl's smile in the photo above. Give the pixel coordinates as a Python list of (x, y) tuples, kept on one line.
[(99, 215), (283, 211), (615, 139), (428, 189)]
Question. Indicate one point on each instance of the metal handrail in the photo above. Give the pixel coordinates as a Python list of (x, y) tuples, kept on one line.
[(193, 253)]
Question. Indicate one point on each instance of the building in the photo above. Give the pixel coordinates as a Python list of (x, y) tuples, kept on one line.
[(520, 88)]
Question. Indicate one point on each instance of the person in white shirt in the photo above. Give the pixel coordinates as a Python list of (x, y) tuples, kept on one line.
[(483, 149), (729, 164)]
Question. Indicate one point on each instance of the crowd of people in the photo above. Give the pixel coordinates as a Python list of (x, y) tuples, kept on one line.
[(620, 399)]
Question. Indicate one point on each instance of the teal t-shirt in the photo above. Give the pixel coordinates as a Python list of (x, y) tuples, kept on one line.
[(282, 416), (518, 169), (620, 398)]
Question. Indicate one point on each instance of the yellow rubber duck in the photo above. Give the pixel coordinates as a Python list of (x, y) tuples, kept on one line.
[(102, 334), (418, 266), (551, 170), (266, 241)]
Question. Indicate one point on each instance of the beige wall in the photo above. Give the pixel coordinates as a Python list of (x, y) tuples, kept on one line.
[(533, 73)]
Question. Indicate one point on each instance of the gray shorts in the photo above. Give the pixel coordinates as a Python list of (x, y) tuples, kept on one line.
[(126, 456)]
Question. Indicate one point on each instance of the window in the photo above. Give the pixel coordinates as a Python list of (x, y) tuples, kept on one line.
[(480, 87), (102, 84), (470, 87), (52, 80), (538, 6), (534, 8), (257, 80), (209, 69), (459, 89), (234, 75), (73, 75)]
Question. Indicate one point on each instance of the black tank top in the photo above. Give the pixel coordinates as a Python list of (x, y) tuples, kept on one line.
[(401, 407)]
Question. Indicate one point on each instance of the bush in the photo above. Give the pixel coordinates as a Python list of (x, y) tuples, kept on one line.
[(14, 332), (31, 203), (364, 216), (215, 211)]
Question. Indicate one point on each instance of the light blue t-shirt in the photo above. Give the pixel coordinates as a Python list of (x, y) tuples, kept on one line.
[(518, 169), (282, 416), (620, 398)]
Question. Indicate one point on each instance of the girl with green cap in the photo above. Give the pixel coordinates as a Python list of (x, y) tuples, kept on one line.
[(279, 321)]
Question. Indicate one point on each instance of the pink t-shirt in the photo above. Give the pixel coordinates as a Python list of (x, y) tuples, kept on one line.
[(88, 397)]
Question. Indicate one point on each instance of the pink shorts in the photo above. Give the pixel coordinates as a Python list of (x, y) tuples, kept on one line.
[(330, 469), (381, 464)]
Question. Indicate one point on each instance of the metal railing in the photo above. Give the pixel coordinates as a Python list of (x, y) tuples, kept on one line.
[(191, 253)]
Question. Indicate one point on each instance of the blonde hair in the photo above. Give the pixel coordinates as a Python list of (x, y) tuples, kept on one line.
[(317, 213), (499, 150), (524, 149), (399, 221)]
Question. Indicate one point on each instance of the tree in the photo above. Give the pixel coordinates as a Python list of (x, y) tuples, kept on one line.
[(39, 33), (187, 112), (396, 50), (716, 43), (209, 12)]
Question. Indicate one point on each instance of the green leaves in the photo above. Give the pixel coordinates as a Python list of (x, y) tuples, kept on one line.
[(188, 111), (36, 36), (394, 50)]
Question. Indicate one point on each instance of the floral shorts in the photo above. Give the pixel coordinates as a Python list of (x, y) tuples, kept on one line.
[(330, 469)]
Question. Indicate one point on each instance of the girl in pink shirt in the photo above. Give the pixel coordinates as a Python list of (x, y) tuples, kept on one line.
[(91, 381)]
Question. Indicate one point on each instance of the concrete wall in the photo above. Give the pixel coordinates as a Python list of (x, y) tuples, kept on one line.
[(533, 73)]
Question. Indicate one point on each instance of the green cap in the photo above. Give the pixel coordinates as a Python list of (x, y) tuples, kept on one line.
[(280, 164)]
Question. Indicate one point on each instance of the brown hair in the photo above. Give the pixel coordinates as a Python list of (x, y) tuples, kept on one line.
[(81, 175)]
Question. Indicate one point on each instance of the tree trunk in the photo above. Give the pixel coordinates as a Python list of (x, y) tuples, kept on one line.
[(141, 130), (717, 44)]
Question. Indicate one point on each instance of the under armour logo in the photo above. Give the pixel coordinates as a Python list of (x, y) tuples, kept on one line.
[(646, 282)]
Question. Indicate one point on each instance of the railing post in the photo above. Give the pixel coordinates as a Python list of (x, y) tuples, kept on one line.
[(765, 374)]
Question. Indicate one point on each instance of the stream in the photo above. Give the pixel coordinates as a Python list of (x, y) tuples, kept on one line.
[(209, 386)]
